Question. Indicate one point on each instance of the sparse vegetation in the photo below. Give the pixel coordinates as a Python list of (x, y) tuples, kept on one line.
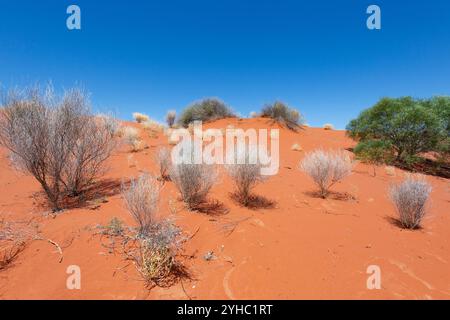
[(141, 199), (326, 168), (140, 117), (170, 118), (164, 161), (281, 113), (410, 198), (156, 260), (56, 140), (193, 181), (205, 110), (246, 174), (374, 152), (132, 138), (410, 126), (328, 126)]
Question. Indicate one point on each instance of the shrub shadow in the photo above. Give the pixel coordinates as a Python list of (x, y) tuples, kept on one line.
[(333, 195), (254, 202), (212, 208), (396, 222)]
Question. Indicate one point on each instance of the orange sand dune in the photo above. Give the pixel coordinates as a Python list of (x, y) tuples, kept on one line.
[(304, 248)]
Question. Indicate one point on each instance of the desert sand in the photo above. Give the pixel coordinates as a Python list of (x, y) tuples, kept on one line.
[(303, 248)]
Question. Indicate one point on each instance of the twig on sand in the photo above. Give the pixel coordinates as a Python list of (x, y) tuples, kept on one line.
[(57, 247)]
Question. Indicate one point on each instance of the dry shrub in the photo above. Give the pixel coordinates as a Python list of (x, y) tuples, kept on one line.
[(141, 199), (246, 173), (13, 239), (296, 147), (281, 113), (156, 260), (131, 137), (140, 117), (410, 198), (164, 161), (328, 126), (193, 181), (170, 118), (153, 125), (56, 139), (326, 168)]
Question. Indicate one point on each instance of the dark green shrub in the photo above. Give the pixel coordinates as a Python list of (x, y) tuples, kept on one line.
[(374, 152), (205, 110), (410, 126), (282, 114)]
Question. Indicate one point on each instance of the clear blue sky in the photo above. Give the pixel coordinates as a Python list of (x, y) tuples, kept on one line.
[(151, 56)]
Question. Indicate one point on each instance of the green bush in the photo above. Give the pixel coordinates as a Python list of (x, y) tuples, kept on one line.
[(409, 125), (281, 113), (374, 152), (205, 110)]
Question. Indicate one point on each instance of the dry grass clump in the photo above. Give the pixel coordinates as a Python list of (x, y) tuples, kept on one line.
[(246, 174), (153, 125), (155, 245), (170, 118), (281, 113), (141, 199), (156, 258), (13, 239), (328, 126), (131, 137), (57, 140), (193, 181), (410, 199), (140, 117), (296, 147), (163, 159), (326, 168)]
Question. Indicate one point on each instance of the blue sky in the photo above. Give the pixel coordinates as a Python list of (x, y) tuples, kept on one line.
[(151, 56)]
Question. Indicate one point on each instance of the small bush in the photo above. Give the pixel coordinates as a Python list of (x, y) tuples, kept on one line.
[(164, 161), (328, 126), (205, 110), (157, 253), (152, 125), (132, 138), (410, 198), (281, 113), (170, 118), (140, 117), (326, 168), (246, 174), (194, 181), (374, 152), (296, 147), (141, 199)]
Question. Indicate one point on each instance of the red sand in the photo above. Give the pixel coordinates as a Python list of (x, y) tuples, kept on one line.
[(304, 248)]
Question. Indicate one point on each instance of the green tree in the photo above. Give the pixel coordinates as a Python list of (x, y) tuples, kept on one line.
[(410, 126)]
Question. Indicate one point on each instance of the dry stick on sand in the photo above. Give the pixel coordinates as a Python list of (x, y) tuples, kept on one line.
[(58, 247)]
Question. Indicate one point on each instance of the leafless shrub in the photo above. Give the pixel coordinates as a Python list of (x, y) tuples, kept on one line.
[(131, 137), (140, 117), (410, 198), (170, 118), (246, 173), (194, 181), (326, 168), (141, 199), (56, 140), (163, 160)]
